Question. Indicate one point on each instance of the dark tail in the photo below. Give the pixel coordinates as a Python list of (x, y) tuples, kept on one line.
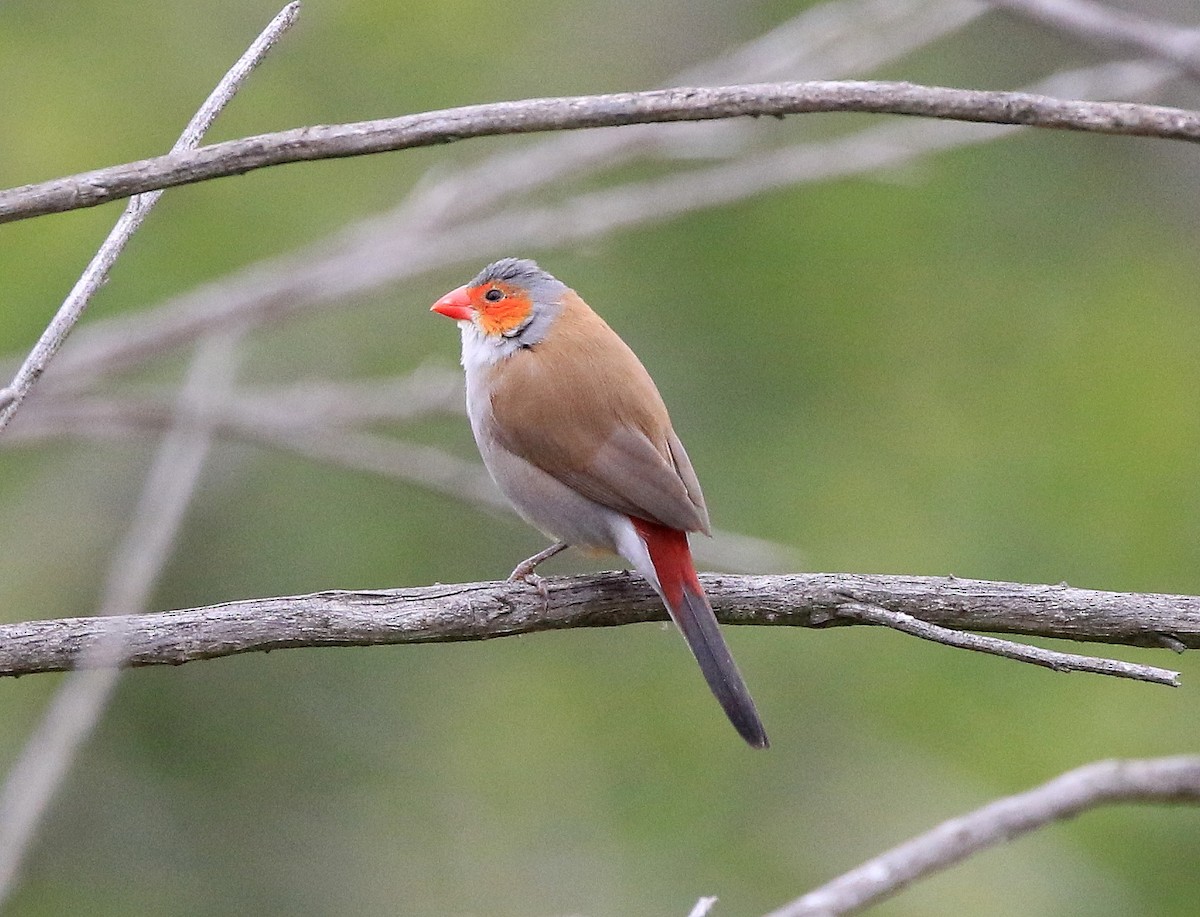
[(691, 612)]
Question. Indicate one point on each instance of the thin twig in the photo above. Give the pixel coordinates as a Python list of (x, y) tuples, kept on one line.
[(1021, 652), (480, 611), (1112, 27), (135, 213), (1101, 783), (236, 157)]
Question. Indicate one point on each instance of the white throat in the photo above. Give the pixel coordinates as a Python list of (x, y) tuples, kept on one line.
[(480, 351)]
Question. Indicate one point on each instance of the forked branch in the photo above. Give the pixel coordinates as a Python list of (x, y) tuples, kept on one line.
[(480, 611)]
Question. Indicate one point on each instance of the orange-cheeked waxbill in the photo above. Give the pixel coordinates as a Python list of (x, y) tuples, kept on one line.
[(573, 430)]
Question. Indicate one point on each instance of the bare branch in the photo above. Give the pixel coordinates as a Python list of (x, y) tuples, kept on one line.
[(829, 39), (825, 41), (402, 244), (479, 611), (236, 157), (1102, 783), (135, 213), (1021, 652), (1115, 28)]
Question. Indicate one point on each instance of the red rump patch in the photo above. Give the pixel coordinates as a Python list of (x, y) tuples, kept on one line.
[(672, 559)]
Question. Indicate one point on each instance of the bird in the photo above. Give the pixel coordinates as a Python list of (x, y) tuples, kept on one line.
[(576, 435)]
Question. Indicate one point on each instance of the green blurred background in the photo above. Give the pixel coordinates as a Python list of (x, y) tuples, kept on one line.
[(984, 364)]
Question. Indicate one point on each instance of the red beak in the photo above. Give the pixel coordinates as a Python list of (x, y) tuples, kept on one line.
[(456, 305)]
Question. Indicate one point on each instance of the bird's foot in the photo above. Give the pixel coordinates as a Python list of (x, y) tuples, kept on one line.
[(523, 572), (531, 579)]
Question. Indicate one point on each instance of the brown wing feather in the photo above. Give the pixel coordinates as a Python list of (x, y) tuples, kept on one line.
[(687, 474), (581, 407)]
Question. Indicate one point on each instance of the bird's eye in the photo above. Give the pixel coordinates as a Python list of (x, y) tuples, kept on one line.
[(493, 295)]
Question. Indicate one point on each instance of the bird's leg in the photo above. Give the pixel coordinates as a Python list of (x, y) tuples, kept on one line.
[(523, 572)]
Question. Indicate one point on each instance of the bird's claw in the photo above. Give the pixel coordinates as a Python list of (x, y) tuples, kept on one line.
[(524, 574)]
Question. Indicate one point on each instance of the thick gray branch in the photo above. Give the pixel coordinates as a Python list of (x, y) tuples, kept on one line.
[(235, 157), (479, 611)]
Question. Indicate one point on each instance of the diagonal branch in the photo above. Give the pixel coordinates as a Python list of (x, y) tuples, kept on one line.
[(1113, 27), (480, 611), (1101, 783), (1021, 652), (96, 273), (236, 157)]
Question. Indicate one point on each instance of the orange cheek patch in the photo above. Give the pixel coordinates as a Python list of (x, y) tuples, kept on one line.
[(505, 315)]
